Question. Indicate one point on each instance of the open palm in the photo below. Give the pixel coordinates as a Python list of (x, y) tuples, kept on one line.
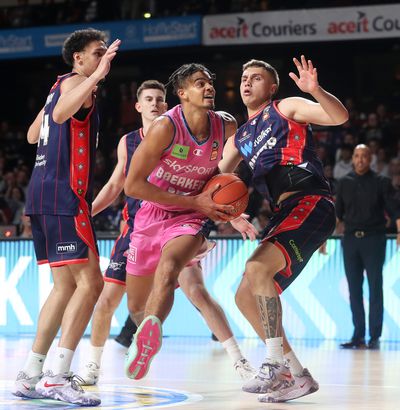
[(307, 80)]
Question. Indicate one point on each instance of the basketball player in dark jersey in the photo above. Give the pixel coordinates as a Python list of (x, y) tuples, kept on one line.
[(276, 143), (59, 204), (151, 103)]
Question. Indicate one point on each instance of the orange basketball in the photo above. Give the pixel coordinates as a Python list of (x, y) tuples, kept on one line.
[(232, 191)]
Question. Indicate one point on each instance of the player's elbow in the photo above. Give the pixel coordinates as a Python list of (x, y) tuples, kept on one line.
[(342, 117), (130, 188), (58, 117), (32, 139)]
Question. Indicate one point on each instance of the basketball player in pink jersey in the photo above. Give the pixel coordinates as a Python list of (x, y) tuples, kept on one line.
[(58, 203), (151, 102), (179, 155)]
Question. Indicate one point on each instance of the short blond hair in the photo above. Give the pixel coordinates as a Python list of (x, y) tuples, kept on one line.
[(266, 66)]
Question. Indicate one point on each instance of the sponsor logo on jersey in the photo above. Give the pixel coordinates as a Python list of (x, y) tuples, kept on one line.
[(246, 149), (254, 122), (296, 250), (245, 136), (271, 142), (262, 136), (198, 152), (180, 151), (188, 168), (132, 254), (214, 151), (66, 247), (266, 113), (116, 265)]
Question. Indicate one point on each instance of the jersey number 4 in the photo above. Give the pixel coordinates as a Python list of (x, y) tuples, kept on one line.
[(44, 131)]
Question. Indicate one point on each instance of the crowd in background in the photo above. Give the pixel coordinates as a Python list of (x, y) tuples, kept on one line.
[(375, 123), (26, 13), (378, 129)]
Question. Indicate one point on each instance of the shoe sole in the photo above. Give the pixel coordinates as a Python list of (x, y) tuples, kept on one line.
[(145, 345), (294, 394), (31, 395), (56, 395)]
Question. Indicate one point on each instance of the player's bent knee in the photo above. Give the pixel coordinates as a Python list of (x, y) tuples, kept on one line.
[(167, 273), (258, 272), (198, 295)]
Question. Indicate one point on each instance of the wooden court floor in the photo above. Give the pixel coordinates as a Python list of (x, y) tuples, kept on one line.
[(195, 373)]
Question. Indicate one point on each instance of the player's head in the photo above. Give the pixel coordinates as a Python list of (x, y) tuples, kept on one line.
[(259, 83), (83, 50), (151, 99), (361, 159), (193, 83)]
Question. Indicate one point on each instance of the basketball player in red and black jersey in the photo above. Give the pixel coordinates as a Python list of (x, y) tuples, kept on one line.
[(59, 204), (276, 143)]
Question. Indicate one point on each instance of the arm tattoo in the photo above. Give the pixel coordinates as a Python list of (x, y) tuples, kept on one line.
[(271, 315)]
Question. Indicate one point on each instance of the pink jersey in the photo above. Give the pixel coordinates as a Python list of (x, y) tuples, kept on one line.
[(187, 164)]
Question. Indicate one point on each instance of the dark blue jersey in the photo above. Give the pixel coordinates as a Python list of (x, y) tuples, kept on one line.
[(62, 177), (132, 140), (270, 139)]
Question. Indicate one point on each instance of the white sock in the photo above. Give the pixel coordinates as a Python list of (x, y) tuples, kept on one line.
[(95, 353), (295, 366), (62, 361), (34, 364), (233, 349), (274, 349)]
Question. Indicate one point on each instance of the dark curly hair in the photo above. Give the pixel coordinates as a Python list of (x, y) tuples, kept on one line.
[(179, 76), (78, 40)]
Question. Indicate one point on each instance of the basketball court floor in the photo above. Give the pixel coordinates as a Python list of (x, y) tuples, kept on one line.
[(195, 373)]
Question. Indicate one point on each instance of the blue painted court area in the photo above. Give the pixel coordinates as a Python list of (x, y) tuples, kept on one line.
[(113, 397)]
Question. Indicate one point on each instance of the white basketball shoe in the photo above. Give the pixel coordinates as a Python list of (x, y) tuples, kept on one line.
[(270, 376), (91, 374), (304, 384), (244, 369), (65, 387), (24, 386)]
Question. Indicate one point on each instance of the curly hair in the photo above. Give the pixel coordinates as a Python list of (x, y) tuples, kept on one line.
[(180, 75), (78, 40)]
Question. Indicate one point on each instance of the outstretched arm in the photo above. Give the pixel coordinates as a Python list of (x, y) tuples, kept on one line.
[(328, 110), (115, 184)]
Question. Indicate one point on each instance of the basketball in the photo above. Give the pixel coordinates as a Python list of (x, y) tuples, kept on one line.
[(232, 191)]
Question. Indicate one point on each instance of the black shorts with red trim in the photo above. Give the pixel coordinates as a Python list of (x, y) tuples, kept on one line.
[(63, 240), (116, 270), (300, 225)]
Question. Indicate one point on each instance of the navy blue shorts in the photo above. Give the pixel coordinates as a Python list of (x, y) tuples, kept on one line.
[(63, 240), (301, 224), (116, 270)]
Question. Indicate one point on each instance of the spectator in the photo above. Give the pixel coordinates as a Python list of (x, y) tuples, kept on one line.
[(361, 200), (344, 165)]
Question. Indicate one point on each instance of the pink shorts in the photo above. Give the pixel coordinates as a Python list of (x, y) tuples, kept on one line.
[(154, 227)]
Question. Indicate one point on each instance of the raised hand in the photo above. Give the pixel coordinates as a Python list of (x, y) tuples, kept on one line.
[(105, 62), (307, 80)]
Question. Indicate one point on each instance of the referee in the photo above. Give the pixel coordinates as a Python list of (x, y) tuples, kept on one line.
[(361, 201)]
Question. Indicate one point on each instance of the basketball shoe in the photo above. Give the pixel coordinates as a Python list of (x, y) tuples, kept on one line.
[(303, 384), (145, 345), (65, 387), (91, 374), (270, 376), (244, 369), (25, 386)]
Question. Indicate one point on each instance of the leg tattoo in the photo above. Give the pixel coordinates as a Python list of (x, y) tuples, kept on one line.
[(271, 315)]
